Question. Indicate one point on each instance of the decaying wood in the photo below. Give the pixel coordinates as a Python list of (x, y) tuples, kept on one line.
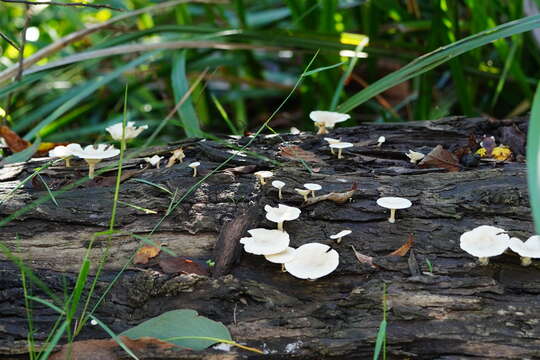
[(460, 311)]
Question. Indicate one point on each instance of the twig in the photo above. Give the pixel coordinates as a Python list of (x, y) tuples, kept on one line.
[(9, 41), (27, 17), (31, 3)]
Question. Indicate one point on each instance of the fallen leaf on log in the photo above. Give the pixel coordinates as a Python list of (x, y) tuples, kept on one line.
[(177, 154), (13, 141), (108, 349), (295, 152), (440, 158), (363, 259), (246, 169), (145, 253), (513, 138), (339, 198), (402, 251), (180, 264)]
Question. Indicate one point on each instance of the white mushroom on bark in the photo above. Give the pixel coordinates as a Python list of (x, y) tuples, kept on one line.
[(327, 120), (281, 213), (393, 203), (484, 242), (312, 261), (278, 185), (312, 188), (380, 141), (414, 156), (528, 250), (93, 155), (194, 166), (303, 192), (131, 131), (261, 175), (331, 141), (154, 160), (61, 152), (282, 257), (337, 237), (340, 146), (265, 242)]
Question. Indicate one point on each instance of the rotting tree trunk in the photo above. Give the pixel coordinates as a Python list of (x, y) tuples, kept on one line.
[(463, 311)]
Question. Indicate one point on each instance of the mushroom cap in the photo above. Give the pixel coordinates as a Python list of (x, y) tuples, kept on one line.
[(294, 131), (282, 257), (341, 145), (194, 164), (302, 191), (414, 155), (131, 132), (529, 248), (264, 174), (102, 151), (265, 242), (312, 261), (278, 184), (381, 139), (332, 140), (392, 202), (328, 118), (154, 160), (281, 213), (484, 241), (60, 152), (340, 234), (313, 187)]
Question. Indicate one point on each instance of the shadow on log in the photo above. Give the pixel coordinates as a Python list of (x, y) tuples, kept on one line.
[(460, 311)]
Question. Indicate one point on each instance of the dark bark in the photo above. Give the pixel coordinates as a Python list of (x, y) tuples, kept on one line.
[(462, 311)]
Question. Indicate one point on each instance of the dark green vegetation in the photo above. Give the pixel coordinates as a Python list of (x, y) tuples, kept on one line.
[(254, 51)]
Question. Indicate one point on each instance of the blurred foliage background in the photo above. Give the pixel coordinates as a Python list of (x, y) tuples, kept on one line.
[(254, 51)]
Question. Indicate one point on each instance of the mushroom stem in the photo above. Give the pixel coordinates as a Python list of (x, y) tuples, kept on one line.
[(312, 193), (279, 194), (280, 225), (526, 261), (194, 171), (338, 240), (67, 160), (332, 151), (306, 196), (483, 261), (91, 166), (283, 268), (322, 129), (392, 218), (339, 153)]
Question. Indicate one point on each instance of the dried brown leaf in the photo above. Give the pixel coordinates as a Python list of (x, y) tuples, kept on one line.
[(246, 169), (180, 264), (13, 141), (514, 138), (177, 154), (404, 249), (440, 158), (363, 259), (145, 253), (295, 152)]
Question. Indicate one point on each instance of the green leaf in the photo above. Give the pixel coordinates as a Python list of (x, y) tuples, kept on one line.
[(381, 335), (533, 156), (183, 323), (314, 71), (24, 155), (180, 87)]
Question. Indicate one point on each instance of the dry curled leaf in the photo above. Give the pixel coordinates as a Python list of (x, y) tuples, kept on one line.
[(145, 253), (404, 249), (339, 198), (363, 259), (13, 141), (180, 264), (440, 158), (295, 152), (177, 154), (245, 169)]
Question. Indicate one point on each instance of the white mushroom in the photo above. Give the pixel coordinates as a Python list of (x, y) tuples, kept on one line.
[(327, 120), (93, 155), (312, 261), (331, 141), (380, 141), (340, 235), (303, 192), (294, 131), (177, 154), (414, 156), (312, 188), (154, 160), (394, 203), (61, 152), (131, 132), (265, 242), (484, 242), (281, 213), (278, 185), (261, 175), (340, 146), (194, 166), (528, 250), (282, 257)]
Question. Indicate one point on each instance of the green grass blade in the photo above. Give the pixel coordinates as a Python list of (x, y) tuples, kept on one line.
[(504, 75), (24, 155), (381, 335), (440, 56), (115, 337), (533, 159), (323, 68), (48, 190)]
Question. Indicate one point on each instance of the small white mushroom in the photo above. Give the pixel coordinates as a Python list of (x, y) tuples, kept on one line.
[(278, 185), (340, 235), (327, 120), (331, 141), (281, 213), (131, 130), (93, 155), (484, 242), (282, 257), (261, 175), (303, 192), (265, 242), (528, 250), (380, 141), (414, 156), (394, 203), (340, 146), (194, 166), (312, 261), (312, 188), (154, 160), (294, 131), (61, 152)]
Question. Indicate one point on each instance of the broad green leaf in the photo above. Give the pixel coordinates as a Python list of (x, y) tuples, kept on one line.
[(183, 323), (533, 159)]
